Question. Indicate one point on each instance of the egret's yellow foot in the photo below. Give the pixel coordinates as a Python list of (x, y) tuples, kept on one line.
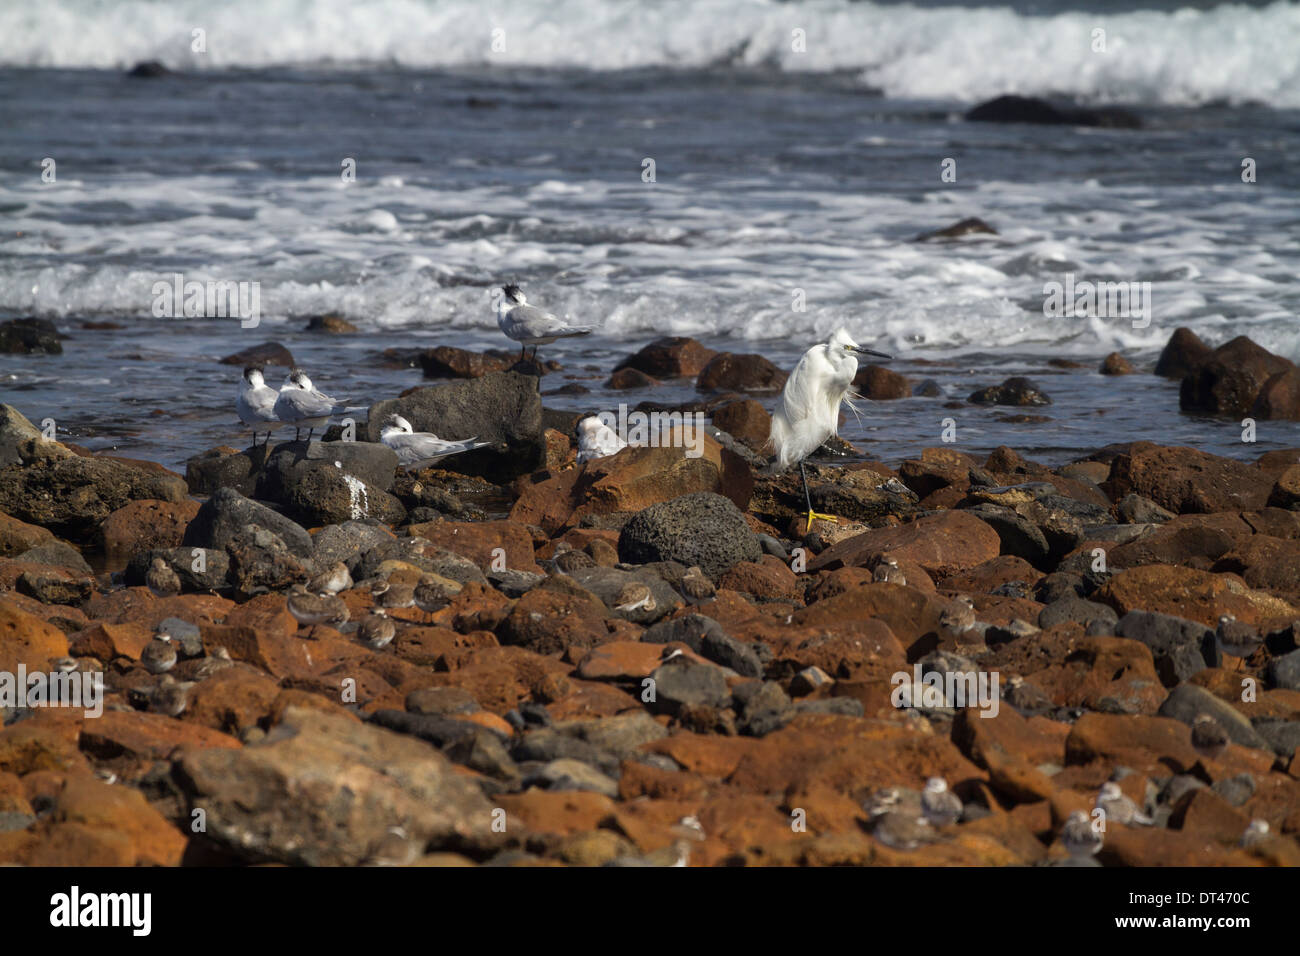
[(813, 516)]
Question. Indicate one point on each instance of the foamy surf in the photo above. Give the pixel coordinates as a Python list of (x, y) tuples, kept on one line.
[(1231, 53)]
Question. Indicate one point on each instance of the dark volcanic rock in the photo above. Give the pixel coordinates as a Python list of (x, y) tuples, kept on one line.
[(1228, 380), (148, 70), (268, 353), (227, 513), (1183, 353), (1014, 391), (445, 361), (685, 683), (327, 482), (1031, 109), (330, 322), (729, 372), (72, 495), (671, 357), (501, 407), (1178, 645), (271, 802), (1279, 397), (702, 529), (881, 384), (30, 337), (964, 227)]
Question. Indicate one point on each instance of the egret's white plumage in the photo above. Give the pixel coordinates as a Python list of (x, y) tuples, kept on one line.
[(256, 403), (809, 410), (597, 440), (418, 449), (529, 325)]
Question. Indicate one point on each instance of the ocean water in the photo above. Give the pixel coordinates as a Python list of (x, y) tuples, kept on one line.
[(788, 167)]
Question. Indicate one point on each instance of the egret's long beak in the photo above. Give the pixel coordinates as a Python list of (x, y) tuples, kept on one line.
[(865, 351)]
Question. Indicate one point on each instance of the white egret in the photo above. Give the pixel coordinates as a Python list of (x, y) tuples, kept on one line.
[(809, 410)]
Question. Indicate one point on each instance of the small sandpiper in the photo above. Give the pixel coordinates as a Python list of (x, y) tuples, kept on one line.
[(332, 580), (1236, 639), (159, 655), (162, 580), (939, 804), (1119, 808), (635, 596), (309, 609), (1078, 836), (888, 571), (392, 595), (376, 630), (170, 697), (432, 594), (1256, 833), (1208, 737), (901, 830), (958, 617), (697, 587)]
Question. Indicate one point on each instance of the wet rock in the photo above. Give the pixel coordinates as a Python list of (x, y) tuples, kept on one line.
[(446, 361), (71, 496), (963, 227), (881, 384), (1182, 354), (330, 322), (1185, 480), (1031, 109), (1227, 381), (16, 536), (270, 802), (729, 372), (30, 337), (268, 353), (670, 357), (1116, 364), (1014, 391), (1286, 492), (217, 468), (745, 420), (503, 408), (227, 513), (1279, 397), (21, 441), (148, 70), (628, 379), (701, 529)]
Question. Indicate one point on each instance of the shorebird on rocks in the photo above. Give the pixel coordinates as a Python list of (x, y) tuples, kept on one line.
[(1208, 737), (1256, 833), (1078, 836), (376, 630), (332, 580), (310, 609), (697, 587), (1119, 808), (162, 580), (939, 804), (888, 571), (159, 655), (393, 595), (1236, 639)]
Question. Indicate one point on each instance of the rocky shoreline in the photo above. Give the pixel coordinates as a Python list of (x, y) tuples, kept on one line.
[(645, 659)]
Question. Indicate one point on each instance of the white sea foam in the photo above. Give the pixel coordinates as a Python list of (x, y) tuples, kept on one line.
[(1231, 52)]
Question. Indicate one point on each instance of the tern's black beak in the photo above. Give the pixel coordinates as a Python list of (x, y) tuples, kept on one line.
[(865, 351)]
